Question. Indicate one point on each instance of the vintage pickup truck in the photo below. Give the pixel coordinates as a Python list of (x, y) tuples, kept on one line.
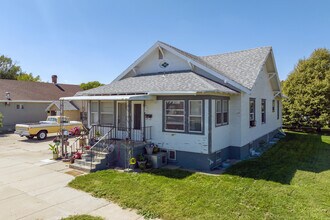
[(41, 129)]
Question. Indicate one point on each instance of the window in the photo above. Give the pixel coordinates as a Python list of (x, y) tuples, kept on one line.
[(94, 112), (174, 115), (195, 116), (278, 109), (273, 106), (225, 111), (263, 110), (221, 112), (252, 112), (171, 154), (20, 106), (106, 113)]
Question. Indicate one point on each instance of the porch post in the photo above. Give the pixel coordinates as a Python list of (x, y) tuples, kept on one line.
[(129, 110)]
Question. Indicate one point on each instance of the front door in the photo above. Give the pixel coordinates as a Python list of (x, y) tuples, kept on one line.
[(137, 120), (122, 121)]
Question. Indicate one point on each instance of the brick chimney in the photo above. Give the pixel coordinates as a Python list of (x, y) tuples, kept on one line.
[(54, 79)]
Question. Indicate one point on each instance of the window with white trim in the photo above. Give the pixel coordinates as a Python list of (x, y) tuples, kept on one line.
[(273, 105), (175, 115), (263, 110), (221, 112), (171, 154), (252, 112), (107, 113), (94, 112), (195, 116)]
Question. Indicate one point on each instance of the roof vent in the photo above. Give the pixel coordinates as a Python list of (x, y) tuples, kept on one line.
[(54, 79), (8, 96)]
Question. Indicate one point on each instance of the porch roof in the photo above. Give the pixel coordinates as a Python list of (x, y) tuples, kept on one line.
[(108, 97)]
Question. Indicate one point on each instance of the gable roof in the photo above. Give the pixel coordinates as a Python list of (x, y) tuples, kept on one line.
[(169, 82), (242, 66), (68, 106), (35, 91), (240, 69)]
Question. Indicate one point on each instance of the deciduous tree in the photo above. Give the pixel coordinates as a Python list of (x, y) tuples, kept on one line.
[(90, 85)]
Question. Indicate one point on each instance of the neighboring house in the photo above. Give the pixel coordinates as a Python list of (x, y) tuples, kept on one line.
[(69, 109), (201, 109), (25, 102)]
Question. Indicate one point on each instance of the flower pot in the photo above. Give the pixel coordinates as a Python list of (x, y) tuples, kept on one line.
[(142, 164), (149, 150), (55, 156)]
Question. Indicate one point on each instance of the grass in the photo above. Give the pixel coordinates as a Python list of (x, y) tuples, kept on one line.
[(290, 181), (82, 217)]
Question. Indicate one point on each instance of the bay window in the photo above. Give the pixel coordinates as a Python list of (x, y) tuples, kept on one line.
[(175, 115), (195, 116)]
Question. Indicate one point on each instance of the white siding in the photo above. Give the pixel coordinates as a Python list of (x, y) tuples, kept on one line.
[(261, 90), (151, 63), (177, 141), (227, 135)]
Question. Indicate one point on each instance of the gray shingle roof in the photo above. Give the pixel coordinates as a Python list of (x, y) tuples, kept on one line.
[(67, 105), (242, 66), (184, 81)]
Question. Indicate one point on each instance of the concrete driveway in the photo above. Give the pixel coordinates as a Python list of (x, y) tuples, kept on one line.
[(34, 187)]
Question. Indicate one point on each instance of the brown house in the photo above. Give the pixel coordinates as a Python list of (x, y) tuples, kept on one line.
[(26, 102)]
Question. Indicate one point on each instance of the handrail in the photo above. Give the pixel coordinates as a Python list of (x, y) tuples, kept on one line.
[(101, 139), (91, 149)]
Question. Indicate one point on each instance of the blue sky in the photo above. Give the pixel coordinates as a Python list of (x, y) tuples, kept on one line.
[(82, 41)]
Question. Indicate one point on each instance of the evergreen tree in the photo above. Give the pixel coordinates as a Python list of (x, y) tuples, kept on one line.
[(308, 91)]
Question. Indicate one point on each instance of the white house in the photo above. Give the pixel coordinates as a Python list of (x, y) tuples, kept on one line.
[(201, 109)]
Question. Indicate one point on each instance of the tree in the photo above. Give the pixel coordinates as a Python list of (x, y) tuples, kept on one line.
[(9, 70), (28, 77), (90, 85), (308, 91)]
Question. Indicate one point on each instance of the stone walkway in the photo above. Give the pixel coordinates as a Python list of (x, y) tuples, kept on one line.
[(34, 187)]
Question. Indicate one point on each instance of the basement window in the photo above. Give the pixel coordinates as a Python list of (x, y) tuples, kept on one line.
[(171, 154), (20, 106)]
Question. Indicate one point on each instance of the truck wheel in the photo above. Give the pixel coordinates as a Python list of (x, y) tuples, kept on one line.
[(42, 135), (29, 137)]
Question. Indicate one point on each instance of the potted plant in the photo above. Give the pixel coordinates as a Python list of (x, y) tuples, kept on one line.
[(54, 149), (141, 161), (149, 148)]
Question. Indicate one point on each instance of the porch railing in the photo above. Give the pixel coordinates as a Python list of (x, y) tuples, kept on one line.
[(121, 133)]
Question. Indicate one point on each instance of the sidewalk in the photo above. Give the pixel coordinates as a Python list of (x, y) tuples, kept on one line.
[(34, 187)]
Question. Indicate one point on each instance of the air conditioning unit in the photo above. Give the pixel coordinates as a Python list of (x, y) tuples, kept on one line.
[(158, 160)]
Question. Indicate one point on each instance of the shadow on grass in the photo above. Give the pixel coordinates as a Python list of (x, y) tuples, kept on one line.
[(178, 174), (279, 164)]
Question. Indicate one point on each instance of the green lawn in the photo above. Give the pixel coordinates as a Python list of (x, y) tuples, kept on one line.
[(290, 181), (82, 217)]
